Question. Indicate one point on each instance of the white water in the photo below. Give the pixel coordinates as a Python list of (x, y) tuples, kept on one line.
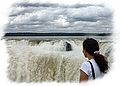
[(47, 60)]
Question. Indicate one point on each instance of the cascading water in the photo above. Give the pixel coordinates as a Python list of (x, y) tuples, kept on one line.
[(48, 60)]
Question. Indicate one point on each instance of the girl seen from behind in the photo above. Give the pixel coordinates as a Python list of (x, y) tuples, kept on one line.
[(97, 64)]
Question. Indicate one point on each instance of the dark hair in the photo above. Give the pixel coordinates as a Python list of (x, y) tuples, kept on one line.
[(91, 45)]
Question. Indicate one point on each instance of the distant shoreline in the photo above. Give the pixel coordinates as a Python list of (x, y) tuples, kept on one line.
[(57, 34), (49, 36)]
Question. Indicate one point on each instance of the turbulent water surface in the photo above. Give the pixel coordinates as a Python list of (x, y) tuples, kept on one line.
[(48, 60)]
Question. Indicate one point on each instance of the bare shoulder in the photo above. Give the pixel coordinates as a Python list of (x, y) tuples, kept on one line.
[(83, 76)]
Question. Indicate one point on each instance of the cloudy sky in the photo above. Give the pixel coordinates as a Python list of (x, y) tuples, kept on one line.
[(48, 17)]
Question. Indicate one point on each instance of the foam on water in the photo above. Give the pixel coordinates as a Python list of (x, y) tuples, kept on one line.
[(48, 60)]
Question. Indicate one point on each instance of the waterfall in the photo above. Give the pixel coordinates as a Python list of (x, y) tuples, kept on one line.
[(48, 60)]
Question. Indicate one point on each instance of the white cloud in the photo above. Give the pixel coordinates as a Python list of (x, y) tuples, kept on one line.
[(55, 17), (61, 21)]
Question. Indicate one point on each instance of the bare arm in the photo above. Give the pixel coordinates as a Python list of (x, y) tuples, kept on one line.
[(83, 76)]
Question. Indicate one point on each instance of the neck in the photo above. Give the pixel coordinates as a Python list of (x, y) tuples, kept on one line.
[(90, 57)]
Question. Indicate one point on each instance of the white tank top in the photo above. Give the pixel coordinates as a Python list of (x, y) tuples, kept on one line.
[(86, 68)]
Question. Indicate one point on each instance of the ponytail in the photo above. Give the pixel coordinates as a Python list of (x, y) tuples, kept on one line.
[(101, 62)]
